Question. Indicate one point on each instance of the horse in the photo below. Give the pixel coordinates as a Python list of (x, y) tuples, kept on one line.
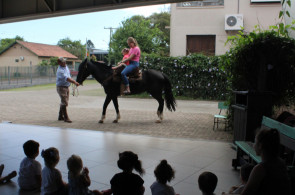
[(152, 82)]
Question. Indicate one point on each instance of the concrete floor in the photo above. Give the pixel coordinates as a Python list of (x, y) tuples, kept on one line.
[(99, 151)]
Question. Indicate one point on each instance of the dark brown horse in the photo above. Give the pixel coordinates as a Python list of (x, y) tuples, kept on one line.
[(153, 82)]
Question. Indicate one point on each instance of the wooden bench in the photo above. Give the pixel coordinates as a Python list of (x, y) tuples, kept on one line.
[(246, 152)]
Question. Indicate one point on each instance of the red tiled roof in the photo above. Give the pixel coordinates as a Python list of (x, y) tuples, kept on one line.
[(47, 50)]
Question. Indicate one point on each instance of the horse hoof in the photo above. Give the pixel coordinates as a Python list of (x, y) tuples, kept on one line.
[(115, 121), (158, 121), (100, 121)]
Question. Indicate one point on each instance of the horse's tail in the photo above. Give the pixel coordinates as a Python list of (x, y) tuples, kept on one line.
[(169, 98)]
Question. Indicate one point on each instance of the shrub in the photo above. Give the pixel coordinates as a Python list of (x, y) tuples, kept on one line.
[(195, 76)]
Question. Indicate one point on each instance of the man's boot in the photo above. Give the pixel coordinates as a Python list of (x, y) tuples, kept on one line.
[(61, 114), (67, 119)]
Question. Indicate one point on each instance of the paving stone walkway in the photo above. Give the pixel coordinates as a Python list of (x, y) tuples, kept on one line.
[(192, 119)]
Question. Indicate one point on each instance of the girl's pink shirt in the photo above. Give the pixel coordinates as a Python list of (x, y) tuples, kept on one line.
[(125, 57), (136, 51)]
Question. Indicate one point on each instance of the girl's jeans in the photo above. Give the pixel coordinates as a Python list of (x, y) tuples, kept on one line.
[(127, 70)]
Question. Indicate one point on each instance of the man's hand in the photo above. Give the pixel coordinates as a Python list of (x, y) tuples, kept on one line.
[(76, 83)]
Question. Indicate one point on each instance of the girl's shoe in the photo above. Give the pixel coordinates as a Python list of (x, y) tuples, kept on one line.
[(126, 92)]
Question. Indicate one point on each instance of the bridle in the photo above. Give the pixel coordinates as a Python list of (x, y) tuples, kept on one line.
[(84, 70)]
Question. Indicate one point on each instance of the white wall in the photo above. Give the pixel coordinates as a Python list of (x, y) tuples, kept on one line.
[(210, 21)]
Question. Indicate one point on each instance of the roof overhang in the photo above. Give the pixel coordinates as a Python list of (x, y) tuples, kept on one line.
[(21, 10)]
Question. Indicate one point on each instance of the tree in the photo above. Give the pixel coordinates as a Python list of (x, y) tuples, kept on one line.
[(90, 44), (74, 47), (8, 41), (53, 61), (141, 29), (162, 22)]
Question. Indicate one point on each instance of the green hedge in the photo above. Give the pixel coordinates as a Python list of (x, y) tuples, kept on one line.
[(195, 76)]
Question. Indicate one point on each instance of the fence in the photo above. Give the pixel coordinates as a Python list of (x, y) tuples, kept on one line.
[(14, 77)]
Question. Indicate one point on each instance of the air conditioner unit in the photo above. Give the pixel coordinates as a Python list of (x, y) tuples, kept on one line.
[(233, 22)]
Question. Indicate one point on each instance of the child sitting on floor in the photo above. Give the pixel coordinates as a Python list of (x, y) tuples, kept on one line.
[(244, 175), (164, 173), (52, 183), (79, 179), (6, 178), (207, 183), (30, 169), (127, 182)]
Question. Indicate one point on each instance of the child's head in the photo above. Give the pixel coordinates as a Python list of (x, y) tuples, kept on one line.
[(75, 165), (125, 51), (267, 142), (51, 157), (207, 182), (31, 148), (129, 161), (164, 172), (246, 171)]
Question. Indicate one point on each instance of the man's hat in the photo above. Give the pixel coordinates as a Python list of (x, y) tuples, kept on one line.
[(62, 59)]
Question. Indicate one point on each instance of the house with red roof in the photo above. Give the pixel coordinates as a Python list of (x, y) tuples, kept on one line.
[(22, 53)]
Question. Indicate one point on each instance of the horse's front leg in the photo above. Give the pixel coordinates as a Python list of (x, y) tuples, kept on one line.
[(105, 105), (115, 102)]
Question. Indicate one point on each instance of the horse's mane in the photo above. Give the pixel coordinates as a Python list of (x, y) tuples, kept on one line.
[(102, 66)]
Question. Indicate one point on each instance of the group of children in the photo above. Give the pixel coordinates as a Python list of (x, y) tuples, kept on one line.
[(49, 179)]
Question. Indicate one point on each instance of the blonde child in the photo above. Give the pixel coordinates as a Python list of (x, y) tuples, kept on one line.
[(30, 169), (52, 182), (164, 173), (127, 182), (79, 179), (125, 53)]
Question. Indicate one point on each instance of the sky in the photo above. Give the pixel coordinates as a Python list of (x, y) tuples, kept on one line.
[(90, 26)]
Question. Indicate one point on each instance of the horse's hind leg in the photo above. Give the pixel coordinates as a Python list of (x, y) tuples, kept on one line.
[(115, 102), (160, 108), (105, 105)]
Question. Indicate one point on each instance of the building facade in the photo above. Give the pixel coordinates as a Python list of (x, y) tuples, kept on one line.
[(23, 53), (204, 26)]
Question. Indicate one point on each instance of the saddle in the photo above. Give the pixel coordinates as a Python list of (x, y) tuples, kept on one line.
[(135, 75)]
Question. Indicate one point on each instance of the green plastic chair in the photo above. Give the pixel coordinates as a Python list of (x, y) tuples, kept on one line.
[(219, 118)]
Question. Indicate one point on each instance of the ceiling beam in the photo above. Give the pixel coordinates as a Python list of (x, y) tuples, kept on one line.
[(1, 9), (75, 7), (47, 5)]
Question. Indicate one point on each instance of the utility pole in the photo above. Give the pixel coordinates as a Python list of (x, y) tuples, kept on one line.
[(111, 32)]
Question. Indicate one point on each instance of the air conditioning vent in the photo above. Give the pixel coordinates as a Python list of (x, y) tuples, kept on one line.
[(233, 22)]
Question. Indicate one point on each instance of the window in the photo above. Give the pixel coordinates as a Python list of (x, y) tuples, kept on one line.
[(204, 44), (16, 60), (265, 1), (201, 3)]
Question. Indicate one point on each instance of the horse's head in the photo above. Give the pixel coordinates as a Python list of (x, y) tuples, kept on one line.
[(83, 72)]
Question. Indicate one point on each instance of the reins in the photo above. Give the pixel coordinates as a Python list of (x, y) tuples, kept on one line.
[(75, 91)]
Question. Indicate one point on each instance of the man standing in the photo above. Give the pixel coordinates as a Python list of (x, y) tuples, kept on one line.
[(63, 81)]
